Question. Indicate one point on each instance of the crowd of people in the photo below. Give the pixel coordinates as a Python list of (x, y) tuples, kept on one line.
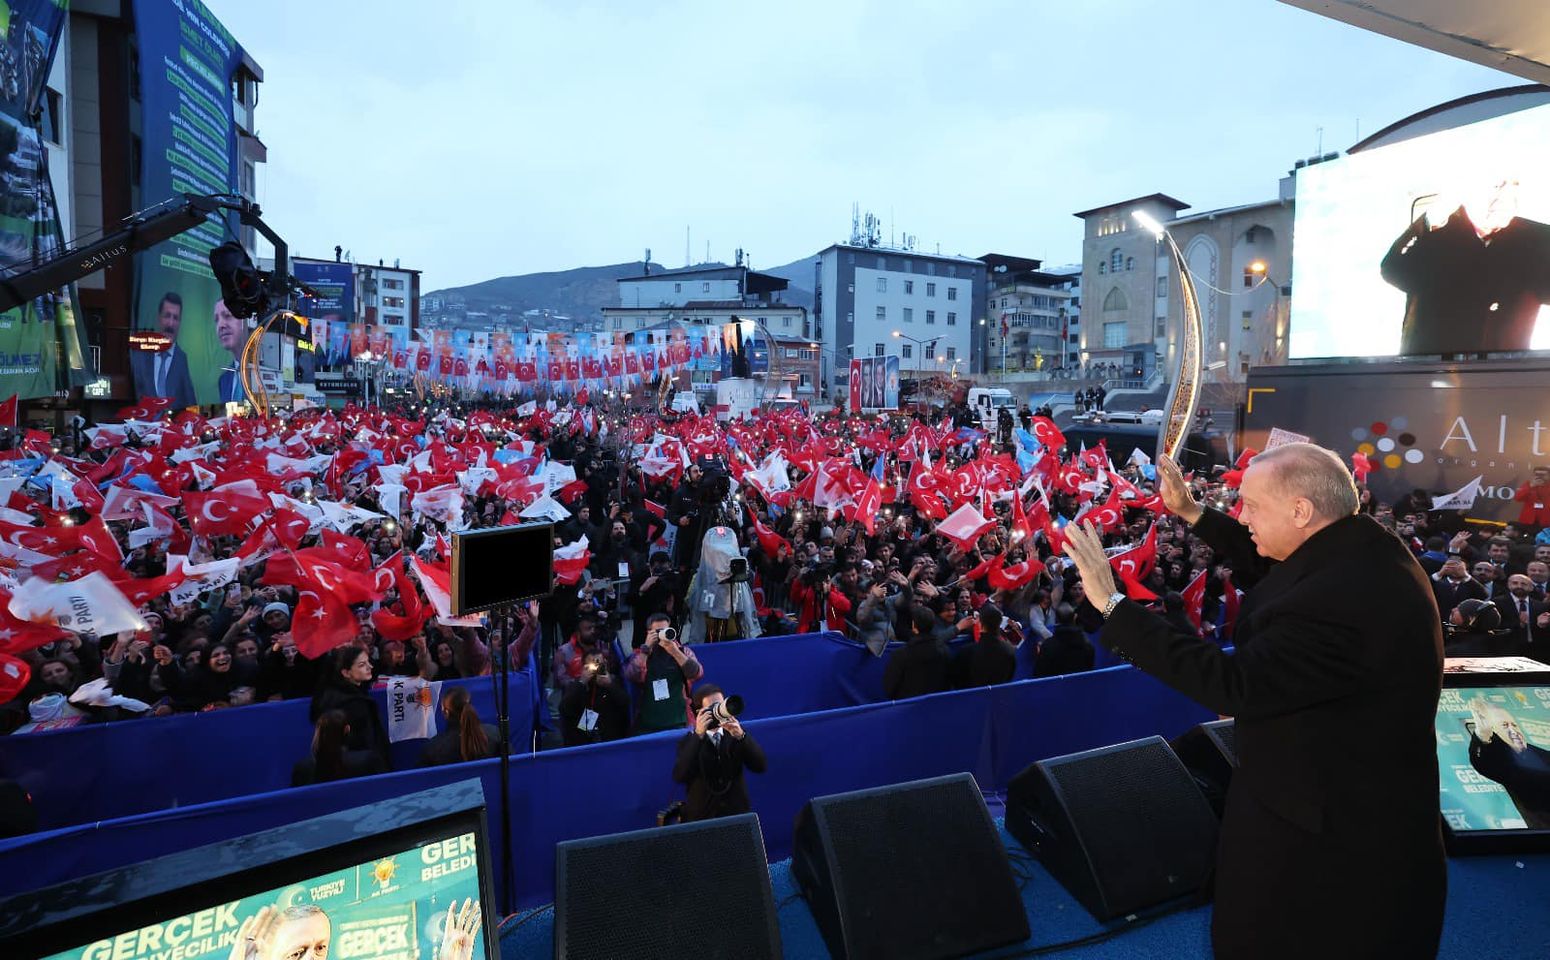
[(307, 559)]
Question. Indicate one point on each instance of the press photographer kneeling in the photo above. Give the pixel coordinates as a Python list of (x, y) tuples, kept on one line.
[(711, 760)]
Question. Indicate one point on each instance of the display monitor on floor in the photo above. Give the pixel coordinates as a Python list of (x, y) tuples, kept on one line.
[(1493, 759), (405, 878)]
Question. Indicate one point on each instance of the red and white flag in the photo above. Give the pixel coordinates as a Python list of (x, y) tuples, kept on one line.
[(570, 560), (964, 526), (436, 581)]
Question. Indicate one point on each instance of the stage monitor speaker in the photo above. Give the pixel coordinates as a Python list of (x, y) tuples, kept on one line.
[(689, 890), (914, 870), (1209, 752), (1122, 828), (499, 566)]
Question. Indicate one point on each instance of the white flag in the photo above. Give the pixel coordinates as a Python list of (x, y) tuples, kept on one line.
[(201, 577), (964, 526), (443, 503), (1461, 499), (90, 606), (1138, 457), (546, 507), (411, 708), (345, 517)]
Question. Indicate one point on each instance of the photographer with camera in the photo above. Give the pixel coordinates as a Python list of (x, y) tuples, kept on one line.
[(711, 760), (663, 669), (594, 707)]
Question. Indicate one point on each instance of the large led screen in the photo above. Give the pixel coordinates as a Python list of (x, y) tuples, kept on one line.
[(1434, 245)]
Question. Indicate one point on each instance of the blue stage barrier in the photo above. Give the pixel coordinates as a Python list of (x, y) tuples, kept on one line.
[(107, 770), (992, 732)]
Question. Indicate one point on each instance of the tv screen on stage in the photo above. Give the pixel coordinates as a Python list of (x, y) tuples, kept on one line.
[(1493, 755), (501, 565), (354, 885), (1435, 245)]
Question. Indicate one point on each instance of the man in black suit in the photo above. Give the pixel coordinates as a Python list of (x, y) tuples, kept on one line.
[(711, 761), (1521, 613), (165, 373), (1331, 844), (1452, 585), (230, 331)]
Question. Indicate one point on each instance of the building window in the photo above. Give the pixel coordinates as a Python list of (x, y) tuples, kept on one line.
[(1248, 320), (392, 301), (1248, 278), (930, 272), (850, 288), (392, 284), (678, 288), (930, 289), (909, 286), (1116, 260), (952, 293), (618, 323), (930, 316), (1115, 301), (952, 319), (877, 349), (908, 350), (1162, 286), (882, 284), (952, 353), (882, 312), (952, 270), (882, 263), (52, 122), (1103, 268), (705, 287), (1114, 335), (1162, 328), (850, 258), (785, 322), (1130, 264), (909, 315)]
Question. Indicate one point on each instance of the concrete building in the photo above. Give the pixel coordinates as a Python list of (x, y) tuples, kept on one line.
[(389, 297), (1241, 260), (1027, 313), (94, 98), (1070, 280), (1125, 273), (864, 294)]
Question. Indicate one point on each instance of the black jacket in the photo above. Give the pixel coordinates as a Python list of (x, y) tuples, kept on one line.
[(357, 763), (921, 666), (712, 773), (367, 731), (991, 661), (1331, 844), (1066, 651), (447, 747)]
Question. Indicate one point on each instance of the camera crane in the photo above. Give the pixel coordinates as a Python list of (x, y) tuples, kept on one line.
[(246, 291)]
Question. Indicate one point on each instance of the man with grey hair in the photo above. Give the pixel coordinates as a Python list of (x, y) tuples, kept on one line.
[(1331, 843)]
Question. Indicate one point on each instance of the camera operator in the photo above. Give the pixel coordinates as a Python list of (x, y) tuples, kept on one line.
[(655, 588), (711, 760), (663, 669), (684, 514), (596, 706), (1474, 628)]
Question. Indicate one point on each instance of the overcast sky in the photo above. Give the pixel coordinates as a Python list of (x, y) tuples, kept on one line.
[(482, 138)]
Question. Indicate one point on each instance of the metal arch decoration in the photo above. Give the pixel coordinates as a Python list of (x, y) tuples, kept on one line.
[(1184, 395)]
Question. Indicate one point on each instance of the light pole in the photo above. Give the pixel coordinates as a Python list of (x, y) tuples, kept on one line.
[(1262, 270), (920, 345), (1184, 394)]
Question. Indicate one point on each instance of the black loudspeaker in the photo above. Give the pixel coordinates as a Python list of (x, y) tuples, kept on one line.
[(914, 870), (1209, 752), (1122, 828), (692, 890)]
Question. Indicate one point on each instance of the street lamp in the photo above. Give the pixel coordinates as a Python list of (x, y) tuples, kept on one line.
[(920, 345), (1262, 270)]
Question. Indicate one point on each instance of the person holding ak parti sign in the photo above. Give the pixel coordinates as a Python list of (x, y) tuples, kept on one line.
[(1331, 843)]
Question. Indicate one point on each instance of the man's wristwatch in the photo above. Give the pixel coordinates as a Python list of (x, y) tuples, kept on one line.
[(1114, 599)]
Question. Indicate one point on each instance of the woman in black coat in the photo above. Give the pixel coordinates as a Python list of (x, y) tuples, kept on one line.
[(344, 687)]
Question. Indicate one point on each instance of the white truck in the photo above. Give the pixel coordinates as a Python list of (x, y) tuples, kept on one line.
[(987, 404)]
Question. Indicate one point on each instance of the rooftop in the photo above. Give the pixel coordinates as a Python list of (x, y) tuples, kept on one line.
[(1161, 198), (1228, 211), (913, 254)]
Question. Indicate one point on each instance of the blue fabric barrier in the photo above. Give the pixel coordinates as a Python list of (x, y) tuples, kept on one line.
[(107, 770), (802, 673), (992, 732)]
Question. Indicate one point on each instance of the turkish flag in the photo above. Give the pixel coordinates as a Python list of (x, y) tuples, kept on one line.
[(769, 541), (222, 512), (570, 560), (321, 622), (8, 413), (1048, 434), (353, 552), (1195, 598), (870, 502), (648, 361), (964, 526), (149, 408), (1003, 577), (445, 365), (288, 527), (527, 371), (143, 591), (1134, 564), (319, 569), (460, 367), (422, 361), (73, 566), (17, 636), (1360, 466), (572, 369)]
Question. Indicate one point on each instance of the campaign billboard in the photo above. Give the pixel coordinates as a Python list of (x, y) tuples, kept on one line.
[(1435, 427), (188, 145), (40, 347), (875, 383), (334, 284), (1435, 245)]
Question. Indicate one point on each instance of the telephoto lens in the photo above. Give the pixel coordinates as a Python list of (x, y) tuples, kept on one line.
[(668, 633), (724, 710)]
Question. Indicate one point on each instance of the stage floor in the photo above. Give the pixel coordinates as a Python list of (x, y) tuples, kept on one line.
[(1496, 909)]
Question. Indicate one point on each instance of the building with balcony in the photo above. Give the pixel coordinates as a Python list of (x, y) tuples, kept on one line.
[(1026, 315)]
